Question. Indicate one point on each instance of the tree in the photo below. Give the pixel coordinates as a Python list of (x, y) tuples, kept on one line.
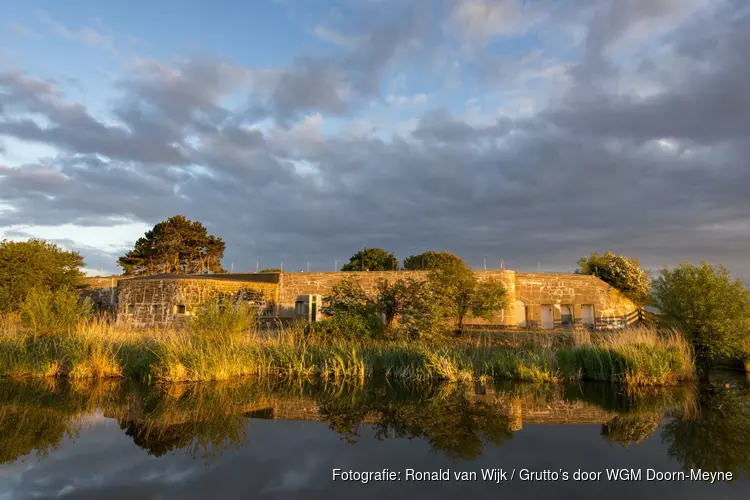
[(708, 306), (25, 265), (371, 259), (429, 260), (347, 297), (620, 272), (457, 290), (177, 245)]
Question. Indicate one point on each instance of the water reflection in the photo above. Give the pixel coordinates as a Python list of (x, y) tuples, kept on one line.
[(707, 428)]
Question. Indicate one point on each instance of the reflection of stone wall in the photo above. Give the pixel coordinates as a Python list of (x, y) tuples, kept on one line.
[(145, 302), (520, 410)]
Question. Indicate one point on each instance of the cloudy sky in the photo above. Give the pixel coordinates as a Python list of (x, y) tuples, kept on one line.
[(528, 131)]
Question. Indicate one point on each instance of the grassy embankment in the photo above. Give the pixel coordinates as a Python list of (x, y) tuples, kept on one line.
[(93, 348)]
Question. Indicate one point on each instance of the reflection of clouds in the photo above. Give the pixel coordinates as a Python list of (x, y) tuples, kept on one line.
[(289, 481), (294, 460)]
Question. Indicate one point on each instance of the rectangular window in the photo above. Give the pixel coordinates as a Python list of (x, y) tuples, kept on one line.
[(179, 309), (131, 308)]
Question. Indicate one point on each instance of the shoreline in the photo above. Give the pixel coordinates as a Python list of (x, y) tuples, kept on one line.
[(97, 350)]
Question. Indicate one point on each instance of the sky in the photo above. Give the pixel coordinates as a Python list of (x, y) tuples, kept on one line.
[(528, 132)]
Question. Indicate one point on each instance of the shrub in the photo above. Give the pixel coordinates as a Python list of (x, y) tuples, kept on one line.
[(347, 297), (44, 311), (711, 308), (347, 326), (219, 317), (620, 272)]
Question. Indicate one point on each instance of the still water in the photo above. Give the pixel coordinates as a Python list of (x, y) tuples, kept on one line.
[(280, 439)]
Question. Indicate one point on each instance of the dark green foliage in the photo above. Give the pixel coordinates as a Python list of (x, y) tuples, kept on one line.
[(177, 246), (34, 263), (371, 259), (622, 273), (430, 260), (270, 270), (706, 304)]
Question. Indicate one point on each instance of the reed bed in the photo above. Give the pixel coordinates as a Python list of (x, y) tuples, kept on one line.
[(95, 348)]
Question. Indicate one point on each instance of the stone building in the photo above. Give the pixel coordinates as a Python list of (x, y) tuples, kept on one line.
[(535, 300)]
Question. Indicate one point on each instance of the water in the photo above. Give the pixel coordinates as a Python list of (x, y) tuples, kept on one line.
[(276, 439)]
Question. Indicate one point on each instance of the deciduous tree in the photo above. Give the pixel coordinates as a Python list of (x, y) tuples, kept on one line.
[(710, 307), (456, 288), (25, 265), (371, 259), (620, 272), (429, 260)]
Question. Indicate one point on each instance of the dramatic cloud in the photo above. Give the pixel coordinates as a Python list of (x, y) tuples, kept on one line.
[(633, 138)]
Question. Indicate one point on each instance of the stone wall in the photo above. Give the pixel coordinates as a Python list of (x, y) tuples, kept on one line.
[(152, 300), (102, 290), (531, 289), (171, 302), (292, 285), (536, 289)]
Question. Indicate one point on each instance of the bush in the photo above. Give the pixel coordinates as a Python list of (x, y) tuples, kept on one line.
[(347, 326), (44, 311), (709, 306), (225, 318)]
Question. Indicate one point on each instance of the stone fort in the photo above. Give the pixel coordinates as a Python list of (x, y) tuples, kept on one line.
[(535, 300)]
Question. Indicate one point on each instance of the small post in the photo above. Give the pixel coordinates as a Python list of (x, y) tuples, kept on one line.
[(281, 267), (485, 263), (308, 266), (256, 266), (231, 268), (335, 265)]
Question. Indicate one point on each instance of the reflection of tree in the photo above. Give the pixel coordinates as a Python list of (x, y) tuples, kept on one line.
[(448, 421), (717, 437), (631, 428), (27, 430), (207, 439)]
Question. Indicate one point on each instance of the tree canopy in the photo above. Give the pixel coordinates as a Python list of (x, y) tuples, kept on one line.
[(178, 246), (25, 265), (623, 273), (429, 260), (707, 305), (459, 292), (371, 259)]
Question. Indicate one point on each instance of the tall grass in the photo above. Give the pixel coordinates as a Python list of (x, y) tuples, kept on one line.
[(94, 348)]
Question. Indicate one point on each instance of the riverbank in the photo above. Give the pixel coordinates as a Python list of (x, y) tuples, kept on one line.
[(96, 349)]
